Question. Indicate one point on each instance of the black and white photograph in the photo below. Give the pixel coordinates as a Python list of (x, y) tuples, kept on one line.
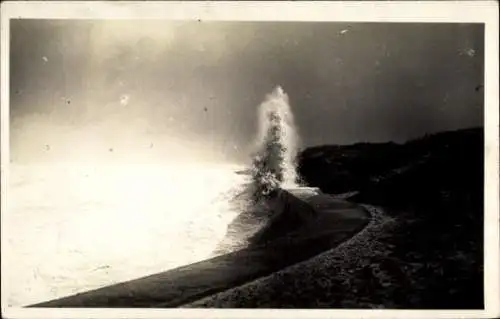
[(246, 163)]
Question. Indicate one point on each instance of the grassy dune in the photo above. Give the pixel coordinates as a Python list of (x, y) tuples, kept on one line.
[(423, 248)]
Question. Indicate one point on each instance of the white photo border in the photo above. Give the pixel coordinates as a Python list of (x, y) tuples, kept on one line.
[(352, 11)]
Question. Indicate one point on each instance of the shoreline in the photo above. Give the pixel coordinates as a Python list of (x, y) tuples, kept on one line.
[(187, 284)]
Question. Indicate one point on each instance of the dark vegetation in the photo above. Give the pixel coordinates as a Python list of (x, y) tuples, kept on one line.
[(433, 188)]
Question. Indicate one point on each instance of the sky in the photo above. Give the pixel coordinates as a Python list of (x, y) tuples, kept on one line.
[(152, 90)]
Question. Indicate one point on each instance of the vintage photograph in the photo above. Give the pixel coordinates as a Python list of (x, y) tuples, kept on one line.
[(244, 164)]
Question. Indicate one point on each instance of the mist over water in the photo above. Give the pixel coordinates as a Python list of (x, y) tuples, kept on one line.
[(276, 117)]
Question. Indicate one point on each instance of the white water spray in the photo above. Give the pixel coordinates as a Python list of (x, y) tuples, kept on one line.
[(276, 118)]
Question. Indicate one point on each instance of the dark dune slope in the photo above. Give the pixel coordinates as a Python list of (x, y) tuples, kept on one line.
[(423, 250), (434, 187)]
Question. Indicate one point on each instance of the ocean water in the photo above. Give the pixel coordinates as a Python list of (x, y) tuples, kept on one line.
[(72, 228)]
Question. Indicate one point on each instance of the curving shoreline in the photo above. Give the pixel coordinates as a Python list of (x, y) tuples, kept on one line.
[(334, 222), (310, 281)]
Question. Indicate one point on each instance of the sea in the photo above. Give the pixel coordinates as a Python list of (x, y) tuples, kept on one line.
[(70, 228)]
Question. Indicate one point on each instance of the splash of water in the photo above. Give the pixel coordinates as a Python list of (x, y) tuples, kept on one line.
[(277, 140)]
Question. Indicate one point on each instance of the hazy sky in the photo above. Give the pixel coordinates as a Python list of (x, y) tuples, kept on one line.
[(84, 87)]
